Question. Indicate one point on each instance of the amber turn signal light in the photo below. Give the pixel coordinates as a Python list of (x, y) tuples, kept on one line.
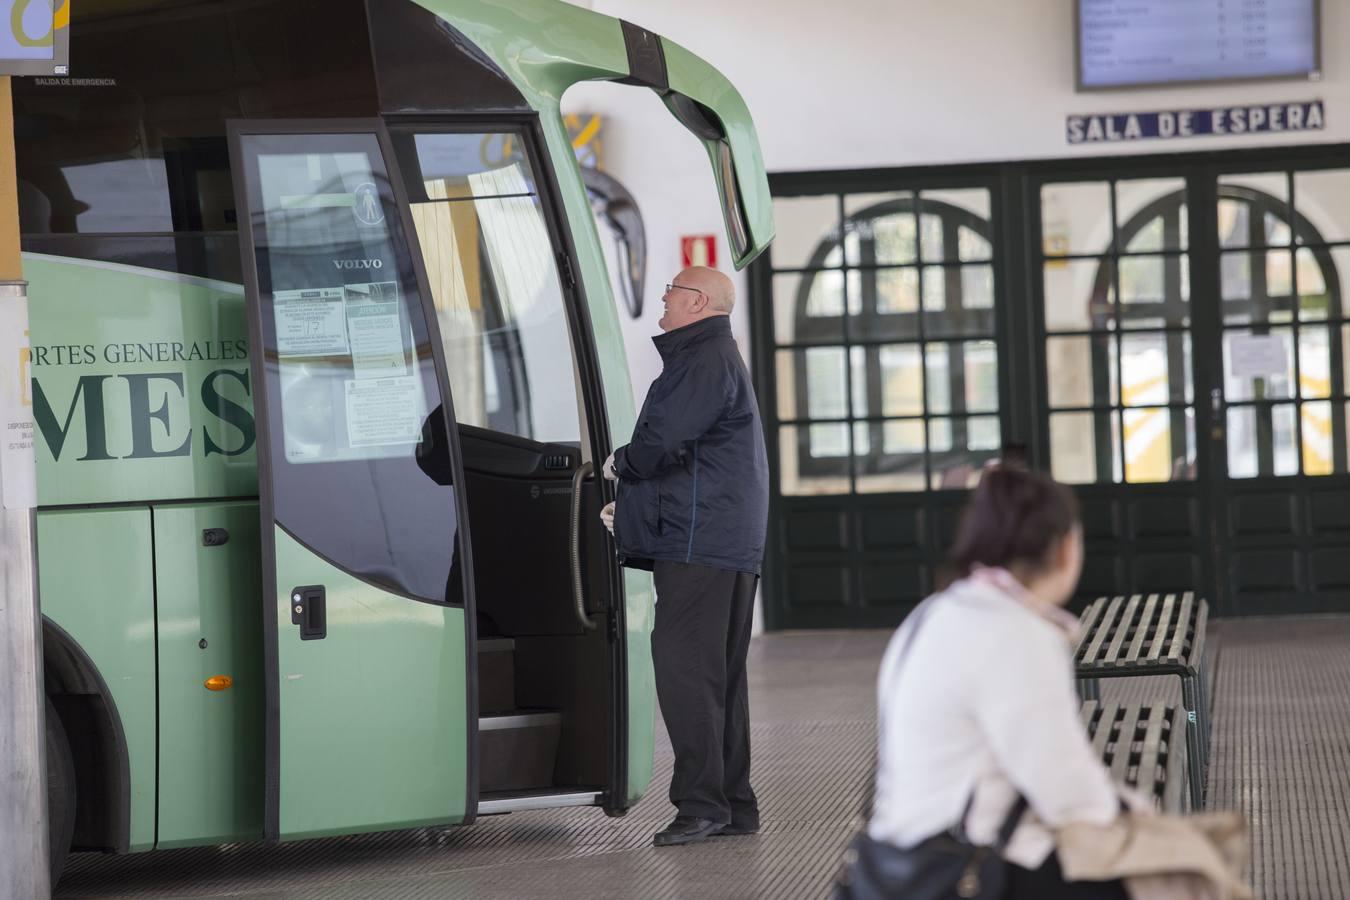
[(219, 683)]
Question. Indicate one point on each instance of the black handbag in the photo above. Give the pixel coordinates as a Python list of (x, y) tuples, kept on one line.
[(946, 866)]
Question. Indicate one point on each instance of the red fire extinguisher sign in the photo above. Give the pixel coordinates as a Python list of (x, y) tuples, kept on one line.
[(698, 250)]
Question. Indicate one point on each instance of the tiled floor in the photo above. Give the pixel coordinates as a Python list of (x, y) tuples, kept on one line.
[(1281, 706)]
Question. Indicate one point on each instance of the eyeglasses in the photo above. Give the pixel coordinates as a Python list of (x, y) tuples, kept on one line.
[(680, 287)]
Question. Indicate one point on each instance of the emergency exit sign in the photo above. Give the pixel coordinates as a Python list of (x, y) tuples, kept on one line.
[(698, 250)]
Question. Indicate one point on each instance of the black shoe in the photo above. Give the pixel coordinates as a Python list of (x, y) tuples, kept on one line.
[(733, 828), (685, 830)]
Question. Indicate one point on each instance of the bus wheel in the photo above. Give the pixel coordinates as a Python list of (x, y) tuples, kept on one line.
[(60, 793)]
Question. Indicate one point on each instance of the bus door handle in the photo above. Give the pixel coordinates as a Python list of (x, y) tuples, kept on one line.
[(309, 610), (578, 590)]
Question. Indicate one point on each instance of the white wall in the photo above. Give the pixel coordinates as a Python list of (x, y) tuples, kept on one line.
[(858, 83), (886, 83), (880, 83), (667, 170)]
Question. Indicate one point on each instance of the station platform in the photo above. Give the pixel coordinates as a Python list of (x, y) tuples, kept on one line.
[(1281, 753)]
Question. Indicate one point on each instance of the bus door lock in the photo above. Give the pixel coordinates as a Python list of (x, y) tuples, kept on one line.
[(309, 611), (215, 537)]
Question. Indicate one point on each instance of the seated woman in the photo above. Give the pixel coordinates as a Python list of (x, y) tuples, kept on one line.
[(979, 707)]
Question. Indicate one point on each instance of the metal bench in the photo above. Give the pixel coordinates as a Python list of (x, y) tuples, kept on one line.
[(1152, 634), (1139, 744)]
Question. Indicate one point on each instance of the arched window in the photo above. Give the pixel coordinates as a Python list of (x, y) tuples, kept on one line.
[(894, 384), (1279, 281), (1118, 317)]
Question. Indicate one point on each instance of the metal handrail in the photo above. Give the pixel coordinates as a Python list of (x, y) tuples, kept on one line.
[(578, 592)]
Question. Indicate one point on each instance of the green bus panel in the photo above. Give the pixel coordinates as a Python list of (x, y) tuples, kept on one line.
[(210, 623), (140, 384), (353, 757), (96, 580)]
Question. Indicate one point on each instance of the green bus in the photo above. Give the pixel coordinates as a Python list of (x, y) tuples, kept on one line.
[(323, 356)]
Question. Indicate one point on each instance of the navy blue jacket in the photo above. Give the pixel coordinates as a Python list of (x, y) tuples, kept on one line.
[(694, 479)]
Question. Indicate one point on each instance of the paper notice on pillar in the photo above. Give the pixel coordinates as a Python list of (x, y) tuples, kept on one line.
[(384, 411), (376, 331), (18, 465), (310, 322), (1257, 356)]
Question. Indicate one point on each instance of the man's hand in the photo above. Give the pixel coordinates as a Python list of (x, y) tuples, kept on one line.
[(607, 515), (608, 470)]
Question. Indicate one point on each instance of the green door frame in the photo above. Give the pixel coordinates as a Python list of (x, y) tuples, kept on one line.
[(876, 539), (1133, 530), (1216, 544), (1261, 525)]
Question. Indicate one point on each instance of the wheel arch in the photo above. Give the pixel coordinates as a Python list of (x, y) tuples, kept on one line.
[(97, 742)]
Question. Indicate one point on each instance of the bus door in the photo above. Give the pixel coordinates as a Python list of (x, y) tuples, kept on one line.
[(523, 367), (369, 653)]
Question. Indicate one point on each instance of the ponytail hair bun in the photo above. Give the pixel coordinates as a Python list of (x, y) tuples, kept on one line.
[(1013, 518)]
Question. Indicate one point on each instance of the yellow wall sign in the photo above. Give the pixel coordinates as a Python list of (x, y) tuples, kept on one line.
[(587, 143), (18, 472), (35, 37), (584, 130)]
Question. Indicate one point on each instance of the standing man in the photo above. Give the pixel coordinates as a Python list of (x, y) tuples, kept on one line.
[(692, 506)]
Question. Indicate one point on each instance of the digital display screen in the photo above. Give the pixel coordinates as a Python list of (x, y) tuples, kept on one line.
[(1133, 43)]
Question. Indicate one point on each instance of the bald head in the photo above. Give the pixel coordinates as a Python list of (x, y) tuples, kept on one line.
[(718, 288), (697, 293)]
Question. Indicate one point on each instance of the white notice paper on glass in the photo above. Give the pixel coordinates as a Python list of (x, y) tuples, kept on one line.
[(310, 322), (384, 411), (376, 331), (1257, 356)]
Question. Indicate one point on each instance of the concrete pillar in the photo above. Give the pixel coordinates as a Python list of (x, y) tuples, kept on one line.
[(23, 758), (23, 764)]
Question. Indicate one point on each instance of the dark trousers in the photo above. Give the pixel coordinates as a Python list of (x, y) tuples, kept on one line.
[(1047, 883), (699, 643)]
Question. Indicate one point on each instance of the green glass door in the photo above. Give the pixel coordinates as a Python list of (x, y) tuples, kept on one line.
[(1121, 327), (1279, 386), (371, 710), (1194, 367)]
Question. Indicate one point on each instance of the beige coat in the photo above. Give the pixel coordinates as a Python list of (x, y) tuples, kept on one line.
[(1198, 857)]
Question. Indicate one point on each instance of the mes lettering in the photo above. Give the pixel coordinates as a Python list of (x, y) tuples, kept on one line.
[(170, 387)]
